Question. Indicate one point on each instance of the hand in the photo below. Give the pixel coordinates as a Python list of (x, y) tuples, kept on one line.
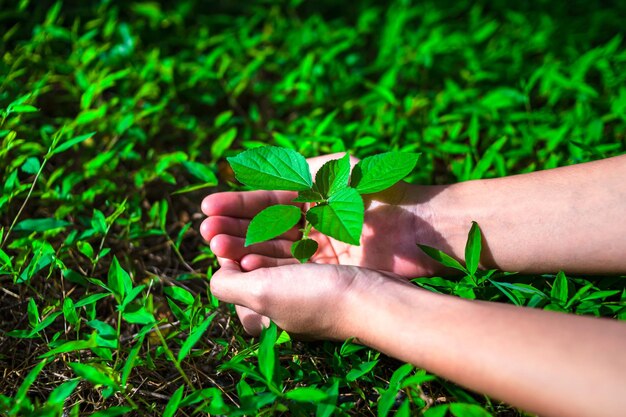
[(308, 301), (388, 243), (395, 220)]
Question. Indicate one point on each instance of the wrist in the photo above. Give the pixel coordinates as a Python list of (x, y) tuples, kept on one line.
[(448, 212), (442, 221), (387, 313)]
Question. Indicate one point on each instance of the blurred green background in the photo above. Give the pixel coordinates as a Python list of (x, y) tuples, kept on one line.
[(116, 117)]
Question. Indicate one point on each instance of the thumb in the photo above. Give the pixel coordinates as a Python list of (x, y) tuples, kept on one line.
[(231, 285)]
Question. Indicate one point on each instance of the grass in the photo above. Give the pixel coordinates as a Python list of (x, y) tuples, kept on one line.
[(116, 119)]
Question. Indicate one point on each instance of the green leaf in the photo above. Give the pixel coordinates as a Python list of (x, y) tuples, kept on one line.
[(174, 402), (107, 335), (118, 280), (5, 260), (201, 172), (47, 321), (360, 370), (272, 222), (419, 378), (587, 148), (184, 316), (71, 142), (348, 347), (442, 258), (131, 295), (88, 117), (266, 354), (138, 315), (303, 249), (559, 291), (103, 328), (31, 166), (28, 381), (194, 337), (179, 294), (600, 295), (437, 411), (341, 218), (92, 374), (90, 299), (113, 412), (333, 176), (205, 394), (379, 172), (23, 108), (62, 392), (283, 337), (193, 187), (399, 374), (468, 410), (472, 249), (327, 408), (71, 347), (99, 221), (131, 359), (223, 142), (388, 397), (272, 168), (404, 410), (40, 225), (309, 196), (223, 117), (85, 248), (69, 311), (579, 294), (306, 394), (509, 294), (32, 312)]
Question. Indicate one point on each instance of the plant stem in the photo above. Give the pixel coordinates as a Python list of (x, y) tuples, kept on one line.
[(306, 230), (170, 355), (119, 333), (48, 155), (19, 212)]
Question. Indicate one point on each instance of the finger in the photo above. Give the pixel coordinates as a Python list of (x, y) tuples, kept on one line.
[(230, 285), (222, 225), (254, 261), (252, 321), (228, 266), (316, 163), (223, 261), (218, 225), (244, 205), (232, 247)]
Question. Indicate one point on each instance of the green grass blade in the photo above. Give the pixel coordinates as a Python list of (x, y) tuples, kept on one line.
[(473, 248), (194, 337), (442, 258), (266, 353), (174, 402)]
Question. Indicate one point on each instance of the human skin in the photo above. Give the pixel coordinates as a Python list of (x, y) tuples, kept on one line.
[(569, 218), (548, 363)]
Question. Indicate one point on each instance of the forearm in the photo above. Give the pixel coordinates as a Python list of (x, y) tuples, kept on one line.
[(569, 218), (544, 362)]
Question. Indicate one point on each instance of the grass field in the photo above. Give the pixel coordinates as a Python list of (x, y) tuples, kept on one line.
[(116, 117)]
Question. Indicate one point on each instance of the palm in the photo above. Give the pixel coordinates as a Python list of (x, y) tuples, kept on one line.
[(388, 240)]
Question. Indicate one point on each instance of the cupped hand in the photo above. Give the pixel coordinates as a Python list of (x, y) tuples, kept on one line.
[(308, 301), (393, 224)]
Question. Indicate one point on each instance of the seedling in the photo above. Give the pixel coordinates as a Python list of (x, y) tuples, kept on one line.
[(337, 208)]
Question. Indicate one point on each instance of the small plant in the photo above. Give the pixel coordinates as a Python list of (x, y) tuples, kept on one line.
[(337, 206)]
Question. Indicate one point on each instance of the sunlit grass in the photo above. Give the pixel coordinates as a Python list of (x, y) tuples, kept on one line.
[(116, 118)]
